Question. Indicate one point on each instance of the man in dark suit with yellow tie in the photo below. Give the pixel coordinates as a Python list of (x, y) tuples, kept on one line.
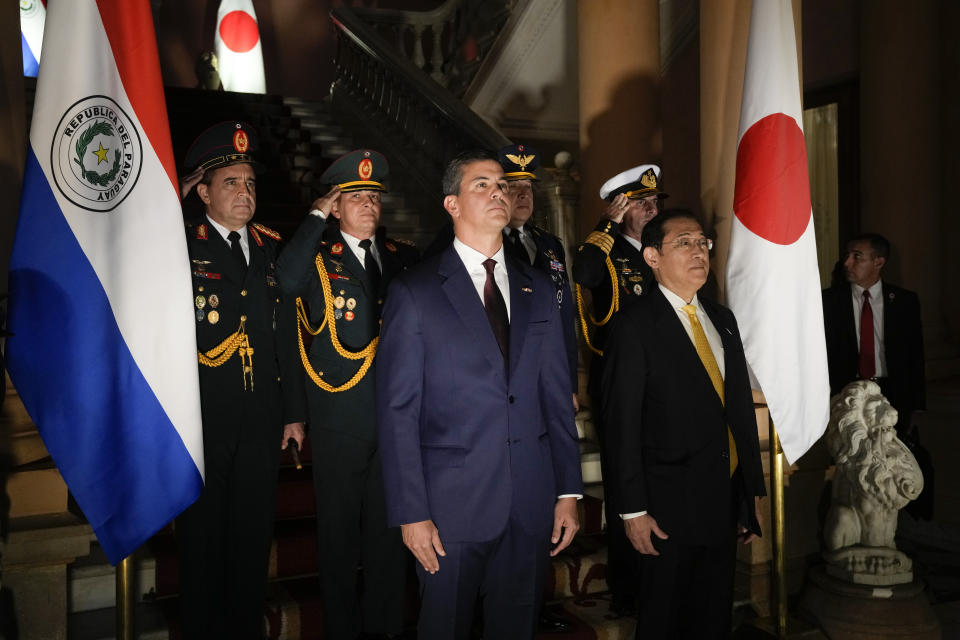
[(681, 437)]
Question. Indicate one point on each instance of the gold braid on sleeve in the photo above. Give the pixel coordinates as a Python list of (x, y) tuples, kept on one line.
[(366, 354), (614, 300)]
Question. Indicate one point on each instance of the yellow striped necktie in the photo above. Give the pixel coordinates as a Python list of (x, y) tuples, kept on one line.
[(710, 364)]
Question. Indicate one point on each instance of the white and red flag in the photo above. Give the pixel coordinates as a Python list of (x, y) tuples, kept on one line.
[(773, 284), (239, 50)]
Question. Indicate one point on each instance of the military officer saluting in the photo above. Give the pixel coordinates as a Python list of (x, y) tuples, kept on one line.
[(251, 391), (339, 265), (610, 263)]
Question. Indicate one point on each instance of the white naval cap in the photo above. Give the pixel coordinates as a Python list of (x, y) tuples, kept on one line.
[(638, 182)]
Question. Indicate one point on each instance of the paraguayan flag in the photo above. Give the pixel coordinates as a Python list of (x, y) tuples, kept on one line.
[(103, 351)]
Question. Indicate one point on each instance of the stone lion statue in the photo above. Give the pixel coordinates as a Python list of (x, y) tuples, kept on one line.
[(876, 476)]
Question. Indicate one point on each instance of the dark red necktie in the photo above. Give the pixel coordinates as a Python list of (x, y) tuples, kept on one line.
[(496, 309), (868, 368)]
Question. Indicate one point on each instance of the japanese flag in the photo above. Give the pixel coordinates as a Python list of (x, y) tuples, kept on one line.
[(773, 284), (238, 47)]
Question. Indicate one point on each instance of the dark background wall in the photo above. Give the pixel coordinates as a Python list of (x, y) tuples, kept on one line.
[(297, 36)]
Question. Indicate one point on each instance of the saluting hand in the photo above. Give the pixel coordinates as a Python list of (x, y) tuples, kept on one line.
[(616, 209), (187, 182), (423, 539), (638, 531), (328, 204)]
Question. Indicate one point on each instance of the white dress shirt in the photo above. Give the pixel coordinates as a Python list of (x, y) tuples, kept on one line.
[(473, 261), (224, 232), (525, 239), (876, 305), (713, 337), (360, 252)]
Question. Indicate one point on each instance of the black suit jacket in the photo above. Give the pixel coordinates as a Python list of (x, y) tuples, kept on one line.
[(357, 321), (667, 428), (902, 342)]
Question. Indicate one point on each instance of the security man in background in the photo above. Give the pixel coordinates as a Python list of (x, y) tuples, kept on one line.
[(338, 265), (251, 391), (610, 263)]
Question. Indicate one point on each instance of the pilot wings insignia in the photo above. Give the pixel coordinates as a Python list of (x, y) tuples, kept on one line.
[(522, 160)]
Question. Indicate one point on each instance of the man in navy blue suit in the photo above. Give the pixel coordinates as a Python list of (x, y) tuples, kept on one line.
[(477, 436)]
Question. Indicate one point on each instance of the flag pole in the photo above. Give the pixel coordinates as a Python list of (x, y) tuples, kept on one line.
[(778, 576), (125, 598)]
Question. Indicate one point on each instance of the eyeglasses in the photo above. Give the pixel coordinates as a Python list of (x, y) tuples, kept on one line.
[(687, 244)]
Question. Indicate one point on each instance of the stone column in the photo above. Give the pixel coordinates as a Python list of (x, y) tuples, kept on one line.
[(619, 45), (900, 142)]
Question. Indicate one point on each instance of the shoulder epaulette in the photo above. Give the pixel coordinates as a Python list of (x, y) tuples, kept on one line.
[(256, 237), (267, 231), (600, 239)]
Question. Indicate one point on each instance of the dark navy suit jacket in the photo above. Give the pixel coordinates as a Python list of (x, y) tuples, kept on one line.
[(464, 441)]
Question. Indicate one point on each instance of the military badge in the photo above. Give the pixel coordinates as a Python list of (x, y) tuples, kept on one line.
[(206, 274), (241, 142), (337, 249), (213, 300), (390, 247), (348, 316), (365, 168), (649, 179), (351, 303), (201, 232), (526, 289), (338, 302), (637, 289), (556, 265), (201, 315), (200, 302), (337, 314), (213, 317)]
